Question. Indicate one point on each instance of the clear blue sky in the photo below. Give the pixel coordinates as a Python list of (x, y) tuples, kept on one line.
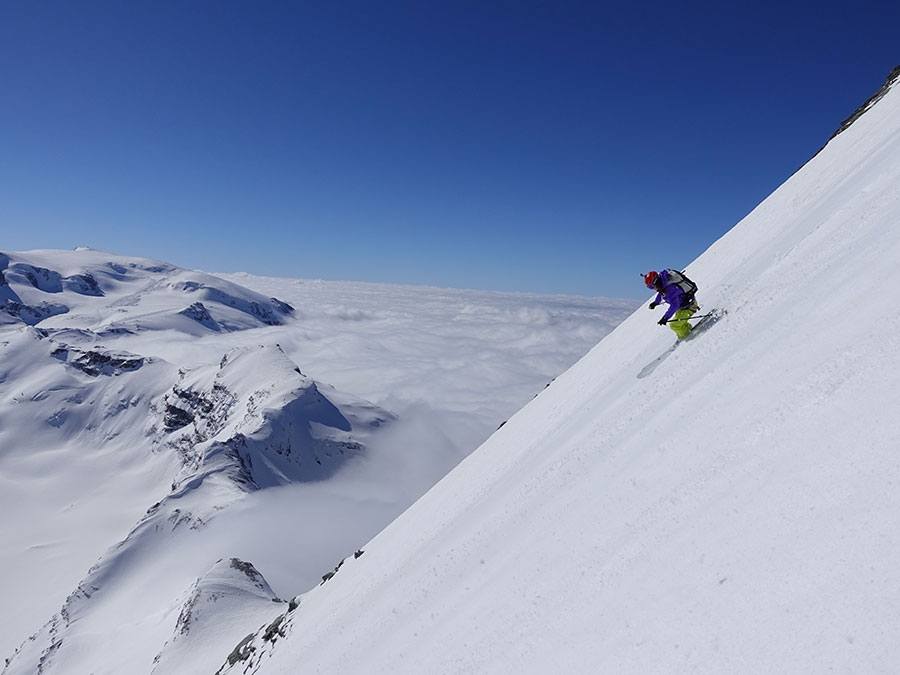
[(531, 146)]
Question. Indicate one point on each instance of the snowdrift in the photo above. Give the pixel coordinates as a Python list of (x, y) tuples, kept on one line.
[(734, 512)]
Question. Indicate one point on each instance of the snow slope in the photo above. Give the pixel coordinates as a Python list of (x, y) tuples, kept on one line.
[(735, 512)]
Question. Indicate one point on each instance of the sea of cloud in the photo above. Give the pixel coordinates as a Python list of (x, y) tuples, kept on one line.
[(450, 365), (453, 365)]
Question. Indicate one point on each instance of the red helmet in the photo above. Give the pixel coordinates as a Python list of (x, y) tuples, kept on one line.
[(650, 279)]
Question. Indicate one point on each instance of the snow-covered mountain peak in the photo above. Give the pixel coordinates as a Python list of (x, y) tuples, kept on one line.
[(173, 438), (106, 293), (215, 614), (257, 417)]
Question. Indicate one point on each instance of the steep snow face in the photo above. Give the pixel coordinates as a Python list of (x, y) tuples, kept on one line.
[(734, 512)]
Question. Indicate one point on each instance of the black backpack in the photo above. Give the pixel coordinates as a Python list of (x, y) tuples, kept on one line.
[(681, 280)]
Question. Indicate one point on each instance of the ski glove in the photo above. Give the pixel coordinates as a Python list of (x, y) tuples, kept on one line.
[(653, 305), (662, 321)]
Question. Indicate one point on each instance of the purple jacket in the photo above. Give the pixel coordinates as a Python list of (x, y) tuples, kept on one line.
[(672, 294)]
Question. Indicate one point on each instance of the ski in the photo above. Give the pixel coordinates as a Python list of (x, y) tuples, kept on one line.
[(706, 320)]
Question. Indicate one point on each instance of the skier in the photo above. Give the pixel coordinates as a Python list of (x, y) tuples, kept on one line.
[(676, 290)]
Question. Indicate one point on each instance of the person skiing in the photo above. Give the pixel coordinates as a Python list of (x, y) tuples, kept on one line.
[(677, 291)]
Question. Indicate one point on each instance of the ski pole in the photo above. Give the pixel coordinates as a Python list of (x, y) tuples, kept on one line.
[(695, 316)]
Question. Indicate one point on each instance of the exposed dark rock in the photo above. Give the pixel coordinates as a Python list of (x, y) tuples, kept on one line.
[(201, 315), (249, 571), (113, 332), (872, 100), (185, 617), (84, 284), (39, 277), (95, 363), (274, 630), (892, 78), (32, 314), (242, 652), (184, 406), (282, 306), (176, 418), (329, 575)]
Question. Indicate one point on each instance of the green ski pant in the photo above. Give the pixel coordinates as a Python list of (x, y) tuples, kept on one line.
[(679, 322)]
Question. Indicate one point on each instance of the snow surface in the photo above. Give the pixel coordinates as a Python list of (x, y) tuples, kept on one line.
[(143, 406), (735, 512)]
